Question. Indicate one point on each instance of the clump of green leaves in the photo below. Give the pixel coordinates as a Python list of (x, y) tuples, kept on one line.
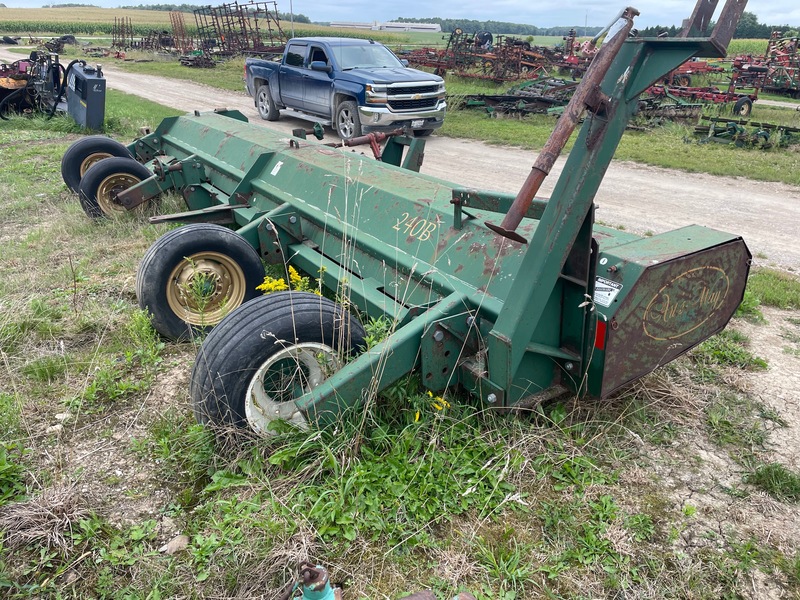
[(405, 477), (777, 481), (12, 473), (749, 308), (506, 561), (185, 449)]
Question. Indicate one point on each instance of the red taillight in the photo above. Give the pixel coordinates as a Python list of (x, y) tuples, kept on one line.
[(600, 336)]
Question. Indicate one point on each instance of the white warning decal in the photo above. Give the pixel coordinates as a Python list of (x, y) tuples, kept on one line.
[(605, 291)]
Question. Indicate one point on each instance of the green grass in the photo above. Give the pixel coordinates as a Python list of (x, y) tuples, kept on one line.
[(727, 349), (777, 481), (775, 288)]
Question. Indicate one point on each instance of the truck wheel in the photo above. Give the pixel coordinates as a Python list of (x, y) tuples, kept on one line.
[(266, 105), (193, 276), (267, 353), (98, 189), (743, 107), (84, 153), (348, 123)]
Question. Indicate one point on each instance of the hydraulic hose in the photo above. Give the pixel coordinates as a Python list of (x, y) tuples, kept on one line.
[(7, 100), (57, 99)]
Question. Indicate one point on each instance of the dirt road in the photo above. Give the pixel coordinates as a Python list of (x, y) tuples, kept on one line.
[(639, 197)]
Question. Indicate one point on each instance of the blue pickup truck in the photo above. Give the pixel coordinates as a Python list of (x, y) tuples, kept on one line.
[(355, 86)]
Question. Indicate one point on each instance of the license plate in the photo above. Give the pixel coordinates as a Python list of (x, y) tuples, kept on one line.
[(417, 123)]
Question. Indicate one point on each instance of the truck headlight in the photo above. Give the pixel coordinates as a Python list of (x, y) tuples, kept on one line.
[(376, 94)]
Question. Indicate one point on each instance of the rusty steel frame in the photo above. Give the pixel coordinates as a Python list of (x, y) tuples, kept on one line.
[(234, 28), (122, 33), (182, 41)]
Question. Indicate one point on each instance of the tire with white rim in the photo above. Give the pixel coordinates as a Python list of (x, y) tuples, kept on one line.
[(267, 353)]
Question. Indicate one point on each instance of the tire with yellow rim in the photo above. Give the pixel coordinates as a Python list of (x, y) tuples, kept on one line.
[(85, 153), (193, 276), (103, 181)]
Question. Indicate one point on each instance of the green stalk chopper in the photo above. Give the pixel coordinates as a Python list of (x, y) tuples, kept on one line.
[(513, 298)]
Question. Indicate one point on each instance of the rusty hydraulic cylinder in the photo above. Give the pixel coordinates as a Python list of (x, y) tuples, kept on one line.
[(565, 126)]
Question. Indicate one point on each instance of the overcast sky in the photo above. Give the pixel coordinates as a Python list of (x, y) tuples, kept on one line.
[(542, 13)]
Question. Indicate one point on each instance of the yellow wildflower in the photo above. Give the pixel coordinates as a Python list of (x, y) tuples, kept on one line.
[(272, 285), (438, 402), (294, 277)]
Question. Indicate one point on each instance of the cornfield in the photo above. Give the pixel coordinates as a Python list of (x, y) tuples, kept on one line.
[(82, 21), (747, 46)]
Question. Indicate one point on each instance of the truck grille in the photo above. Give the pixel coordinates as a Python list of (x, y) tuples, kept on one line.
[(412, 104), (417, 89)]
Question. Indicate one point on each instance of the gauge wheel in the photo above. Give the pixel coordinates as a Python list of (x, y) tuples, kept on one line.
[(193, 276), (98, 189), (267, 353), (84, 153), (743, 107)]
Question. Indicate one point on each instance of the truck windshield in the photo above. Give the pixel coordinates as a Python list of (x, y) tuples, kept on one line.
[(366, 57)]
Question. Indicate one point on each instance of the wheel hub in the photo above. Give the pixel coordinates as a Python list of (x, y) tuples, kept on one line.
[(284, 377), (91, 160), (109, 188), (204, 287)]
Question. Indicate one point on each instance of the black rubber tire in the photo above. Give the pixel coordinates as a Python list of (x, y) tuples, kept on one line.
[(422, 132), (682, 80), (174, 255), (104, 179), (347, 121), (266, 105), (743, 107), (84, 153), (247, 338)]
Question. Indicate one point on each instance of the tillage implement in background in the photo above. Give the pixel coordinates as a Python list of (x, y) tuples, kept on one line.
[(514, 298)]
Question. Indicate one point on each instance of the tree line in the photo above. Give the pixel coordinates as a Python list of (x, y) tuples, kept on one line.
[(472, 25), (748, 27)]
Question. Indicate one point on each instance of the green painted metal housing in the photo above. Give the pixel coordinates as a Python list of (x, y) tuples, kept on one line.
[(579, 307)]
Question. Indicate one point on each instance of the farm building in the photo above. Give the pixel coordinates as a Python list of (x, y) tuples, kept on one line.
[(388, 26)]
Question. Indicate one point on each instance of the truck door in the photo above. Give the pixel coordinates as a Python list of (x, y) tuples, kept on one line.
[(292, 73), (317, 84)]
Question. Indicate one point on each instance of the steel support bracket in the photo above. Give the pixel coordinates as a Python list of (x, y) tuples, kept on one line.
[(269, 240), (443, 345)]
